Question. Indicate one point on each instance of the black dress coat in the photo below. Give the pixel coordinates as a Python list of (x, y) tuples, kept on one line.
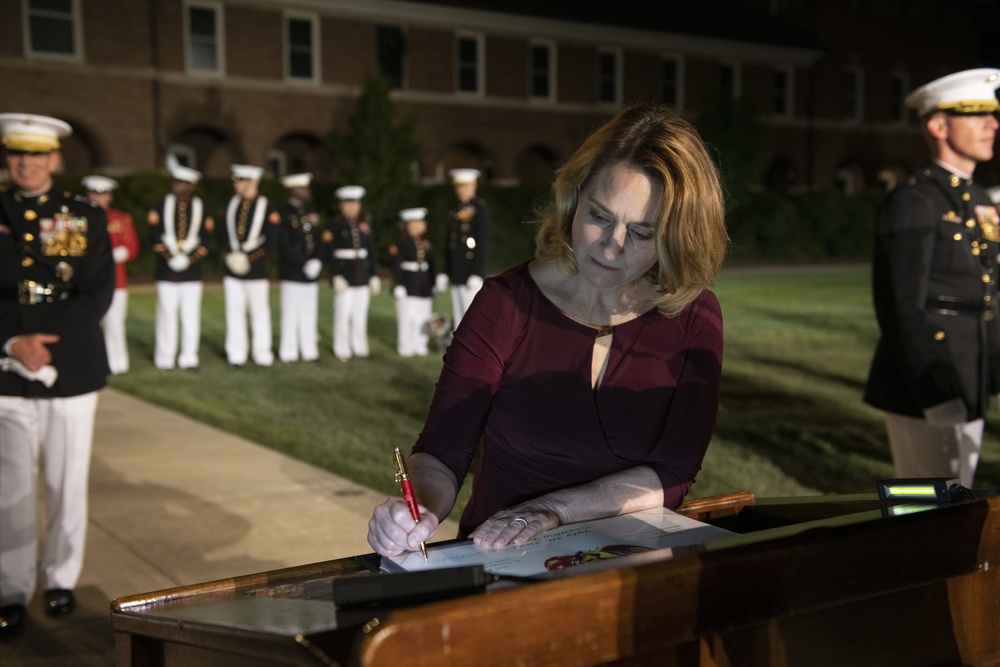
[(934, 282), (299, 240), (61, 243), (470, 241)]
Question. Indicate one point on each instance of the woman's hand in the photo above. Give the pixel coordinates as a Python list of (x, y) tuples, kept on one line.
[(392, 531), (516, 525)]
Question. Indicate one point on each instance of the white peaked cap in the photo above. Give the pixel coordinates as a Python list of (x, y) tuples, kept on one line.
[(247, 171), (96, 183), (35, 134), (464, 175), (971, 91), (408, 214), (297, 180), (181, 173), (350, 192)]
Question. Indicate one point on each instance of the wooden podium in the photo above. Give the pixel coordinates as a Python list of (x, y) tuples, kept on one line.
[(832, 580)]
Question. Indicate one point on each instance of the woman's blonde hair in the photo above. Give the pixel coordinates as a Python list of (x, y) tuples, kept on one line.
[(691, 231)]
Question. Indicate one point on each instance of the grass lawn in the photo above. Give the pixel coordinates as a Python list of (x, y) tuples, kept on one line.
[(791, 422)]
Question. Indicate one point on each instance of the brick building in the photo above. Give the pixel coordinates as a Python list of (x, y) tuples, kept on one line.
[(509, 86)]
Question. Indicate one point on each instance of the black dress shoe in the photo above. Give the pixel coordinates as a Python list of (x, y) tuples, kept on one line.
[(59, 601), (11, 620)]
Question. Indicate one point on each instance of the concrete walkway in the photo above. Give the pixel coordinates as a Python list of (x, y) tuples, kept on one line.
[(175, 502)]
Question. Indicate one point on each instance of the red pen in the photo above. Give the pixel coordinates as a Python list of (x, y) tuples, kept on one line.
[(407, 488)]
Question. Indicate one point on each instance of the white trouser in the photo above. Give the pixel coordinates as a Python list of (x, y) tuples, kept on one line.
[(64, 428), (114, 332), (920, 449), (412, 315), (299, 306), (461, 299), (350, 322), (243, 296), (173, 301)]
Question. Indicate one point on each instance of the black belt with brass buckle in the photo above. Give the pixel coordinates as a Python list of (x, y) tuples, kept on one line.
[(30, 293), (952, 305)]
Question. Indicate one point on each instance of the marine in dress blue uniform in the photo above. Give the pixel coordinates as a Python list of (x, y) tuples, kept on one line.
[(934, 281), (413, 271), (246, 236), (180, 234), (57, 279), (349, 247), (300, 262), (470, 241)]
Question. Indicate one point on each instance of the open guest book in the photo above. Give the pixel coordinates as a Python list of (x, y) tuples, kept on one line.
[(575, 544)]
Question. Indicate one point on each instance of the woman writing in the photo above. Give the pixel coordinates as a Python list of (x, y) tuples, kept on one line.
[(590, 374)]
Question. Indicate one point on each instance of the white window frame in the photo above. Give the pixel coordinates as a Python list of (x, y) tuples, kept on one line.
[(678, 60), (313, 19), (789, 73), (737, 85), (858, 113), (619, 84), (551, 74), (220, 37), (27, 12), (480, 41)]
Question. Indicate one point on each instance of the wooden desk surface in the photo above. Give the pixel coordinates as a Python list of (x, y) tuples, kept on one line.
[(848, 585)]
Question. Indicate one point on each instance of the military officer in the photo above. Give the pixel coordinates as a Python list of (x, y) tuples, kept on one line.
[(124, 248), (251, 225), (470, 241), (350, 250), (57, 278), (299, 265), (413, 273), (934, 280), (180, 234)]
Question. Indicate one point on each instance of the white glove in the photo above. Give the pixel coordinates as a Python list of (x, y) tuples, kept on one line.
[(120, 253), (947, 413), (375, 285), (238, 263), (399, 292), (441, 282), (312, 268), (474, 283), (179, 263), (46, 374), (339, 284)]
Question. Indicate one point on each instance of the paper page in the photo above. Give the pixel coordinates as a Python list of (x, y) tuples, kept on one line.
[(569, 545)]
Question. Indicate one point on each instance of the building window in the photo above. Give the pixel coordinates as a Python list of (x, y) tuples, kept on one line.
[(390, 50), (53, 29), (899, 85), (671, 81), (781, 95), (730, 79), (183, 154), (203, 27), (542, 69), (469, 58), (276, 164), (853, 97), (609, 78), (302, 47)]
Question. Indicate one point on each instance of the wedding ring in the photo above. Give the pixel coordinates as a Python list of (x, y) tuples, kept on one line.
[(516, 519)]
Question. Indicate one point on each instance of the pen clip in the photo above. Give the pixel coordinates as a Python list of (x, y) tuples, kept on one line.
[(397, 459)]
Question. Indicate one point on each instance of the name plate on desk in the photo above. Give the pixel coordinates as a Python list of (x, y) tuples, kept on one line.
[(572, 545)]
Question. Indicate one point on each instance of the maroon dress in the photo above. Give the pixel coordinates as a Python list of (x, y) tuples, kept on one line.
[(518, 374)]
